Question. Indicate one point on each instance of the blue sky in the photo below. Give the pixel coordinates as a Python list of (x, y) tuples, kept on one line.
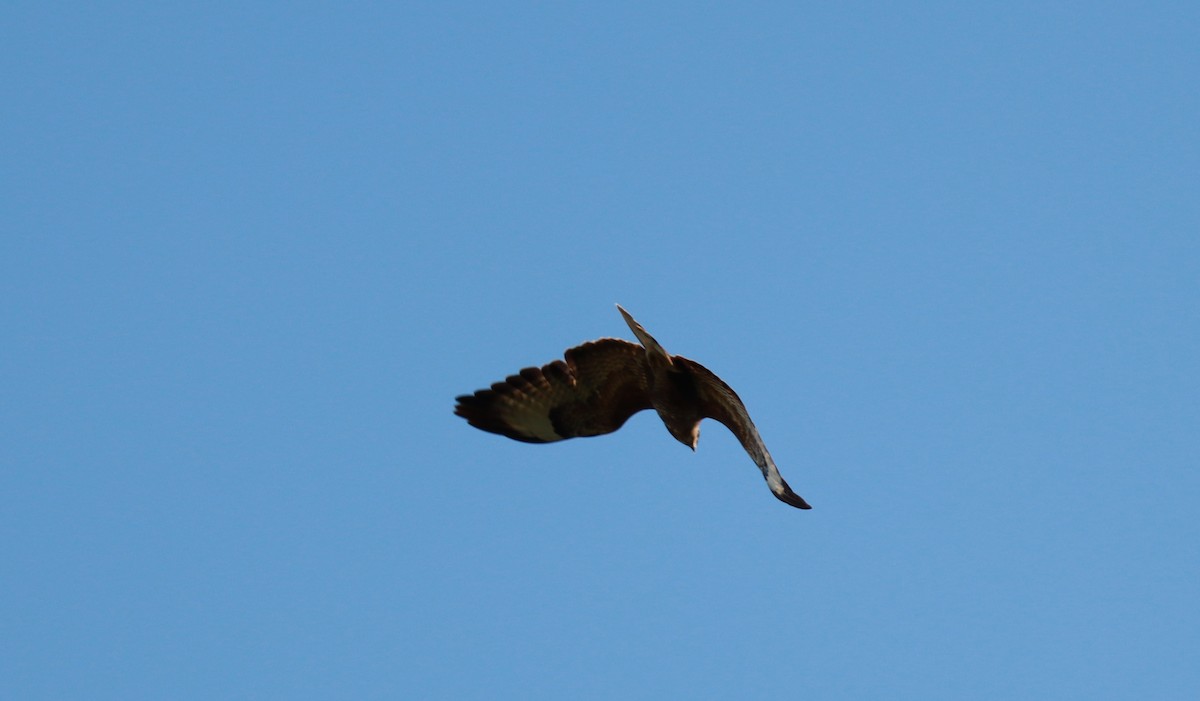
[(948, 254)]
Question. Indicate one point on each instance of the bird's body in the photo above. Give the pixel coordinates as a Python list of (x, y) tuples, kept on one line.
[(600, 384)]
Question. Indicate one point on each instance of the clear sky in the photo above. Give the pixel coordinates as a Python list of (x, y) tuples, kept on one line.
[(948, 254)]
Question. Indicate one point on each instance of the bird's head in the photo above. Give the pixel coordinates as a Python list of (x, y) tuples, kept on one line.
[(687, 435)]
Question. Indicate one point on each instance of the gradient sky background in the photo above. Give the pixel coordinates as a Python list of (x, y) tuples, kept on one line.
[(949, 255)]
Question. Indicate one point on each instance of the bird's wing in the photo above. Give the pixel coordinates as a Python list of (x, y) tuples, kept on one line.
[(594, 391), (719, 401)]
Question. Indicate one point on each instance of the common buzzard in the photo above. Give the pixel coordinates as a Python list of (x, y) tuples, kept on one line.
[(602, 383)]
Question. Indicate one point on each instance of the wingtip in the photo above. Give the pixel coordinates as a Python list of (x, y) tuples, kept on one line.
[(628, 318), (787, 496)]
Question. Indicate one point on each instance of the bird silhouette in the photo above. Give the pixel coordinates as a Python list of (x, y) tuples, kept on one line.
[(600, 384)]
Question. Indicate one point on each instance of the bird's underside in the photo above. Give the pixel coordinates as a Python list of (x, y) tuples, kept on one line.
[(600, 384)]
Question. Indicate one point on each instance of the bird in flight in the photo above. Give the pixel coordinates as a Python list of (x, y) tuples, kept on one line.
[(600, 384)]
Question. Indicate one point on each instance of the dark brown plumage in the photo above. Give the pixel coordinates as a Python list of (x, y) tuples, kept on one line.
[(600, 384)]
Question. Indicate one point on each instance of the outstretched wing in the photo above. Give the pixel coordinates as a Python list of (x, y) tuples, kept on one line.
[(718, 401), (598, 387)]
